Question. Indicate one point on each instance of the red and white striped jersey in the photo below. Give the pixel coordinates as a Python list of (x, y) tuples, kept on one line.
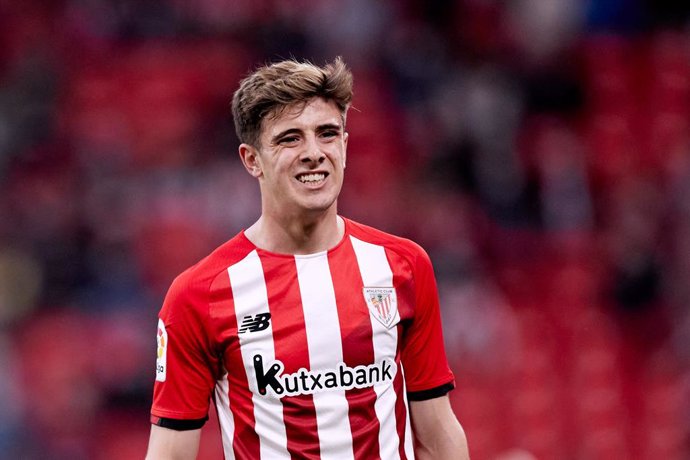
[(305, 356)]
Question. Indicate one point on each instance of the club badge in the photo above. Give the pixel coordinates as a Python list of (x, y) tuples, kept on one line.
[(383, 304)]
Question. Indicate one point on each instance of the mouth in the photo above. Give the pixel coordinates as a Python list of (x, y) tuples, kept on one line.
[(312, 178)]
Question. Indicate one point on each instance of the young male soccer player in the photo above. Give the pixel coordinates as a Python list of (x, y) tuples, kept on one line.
[(317, 337)]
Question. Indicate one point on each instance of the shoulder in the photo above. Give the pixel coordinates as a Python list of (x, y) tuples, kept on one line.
[(398, 246), (193, 285)]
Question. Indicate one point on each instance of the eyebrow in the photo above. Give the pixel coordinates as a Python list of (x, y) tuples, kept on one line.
[(327, 126), (319, 129)]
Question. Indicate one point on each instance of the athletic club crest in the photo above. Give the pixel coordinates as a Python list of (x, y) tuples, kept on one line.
[(383, 304)]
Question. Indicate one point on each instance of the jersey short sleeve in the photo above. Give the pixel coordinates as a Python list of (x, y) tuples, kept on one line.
[(185, 365), (427, 372)]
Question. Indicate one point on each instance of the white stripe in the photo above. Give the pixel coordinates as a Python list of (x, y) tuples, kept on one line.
[(325, 350), (250, 297), (376, 272), (227, 423), (409, 446)]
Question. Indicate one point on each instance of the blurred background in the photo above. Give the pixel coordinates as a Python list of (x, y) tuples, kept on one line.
[(538, 149)]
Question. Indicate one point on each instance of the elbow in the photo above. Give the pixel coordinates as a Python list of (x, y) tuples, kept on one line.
[(450, 444)]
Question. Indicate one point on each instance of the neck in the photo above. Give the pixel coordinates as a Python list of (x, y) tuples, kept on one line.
[(297, 236)]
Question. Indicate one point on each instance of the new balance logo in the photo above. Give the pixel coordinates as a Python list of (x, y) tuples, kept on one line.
[(255, 323)]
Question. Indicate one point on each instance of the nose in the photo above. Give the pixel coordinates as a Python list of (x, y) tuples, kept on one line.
[(312, 152)]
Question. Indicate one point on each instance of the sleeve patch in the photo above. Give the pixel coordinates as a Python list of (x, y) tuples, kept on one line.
[(162, 351)]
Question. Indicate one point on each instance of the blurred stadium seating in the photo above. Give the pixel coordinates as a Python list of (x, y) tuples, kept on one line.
[(540, 151)]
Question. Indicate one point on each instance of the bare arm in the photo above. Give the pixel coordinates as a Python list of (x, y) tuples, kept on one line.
[(167, 444), (438, 434)]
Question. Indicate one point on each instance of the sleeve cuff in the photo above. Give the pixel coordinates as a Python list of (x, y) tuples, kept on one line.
[(430, 393), (178, 425)]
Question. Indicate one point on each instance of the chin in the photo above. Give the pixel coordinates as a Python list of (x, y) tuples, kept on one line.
[(319, 202), (319, 206)]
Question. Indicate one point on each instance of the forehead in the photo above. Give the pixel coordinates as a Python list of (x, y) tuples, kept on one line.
[(313, 113)]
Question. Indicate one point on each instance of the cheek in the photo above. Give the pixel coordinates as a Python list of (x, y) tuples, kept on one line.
[(338, 159), (281, 166)]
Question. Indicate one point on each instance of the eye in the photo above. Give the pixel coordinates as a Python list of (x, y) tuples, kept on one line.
[(330, 133), (287, 140)]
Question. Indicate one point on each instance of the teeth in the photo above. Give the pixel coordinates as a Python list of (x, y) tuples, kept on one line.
[(316, 177)]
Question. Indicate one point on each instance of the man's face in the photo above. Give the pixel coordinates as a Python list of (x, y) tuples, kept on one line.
[(301, 159)]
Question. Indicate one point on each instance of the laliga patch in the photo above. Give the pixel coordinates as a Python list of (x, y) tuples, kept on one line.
[(161, 352), (383, 304)]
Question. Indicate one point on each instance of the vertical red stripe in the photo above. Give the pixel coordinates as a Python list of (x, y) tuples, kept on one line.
[(290, 339), (358, 348), (245, 440), (400, 409), (405, 310)]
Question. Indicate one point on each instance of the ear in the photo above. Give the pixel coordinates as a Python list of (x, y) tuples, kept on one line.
[(251, 160), (346, 136)]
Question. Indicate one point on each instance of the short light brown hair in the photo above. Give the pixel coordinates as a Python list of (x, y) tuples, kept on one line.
[(272, 88)]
